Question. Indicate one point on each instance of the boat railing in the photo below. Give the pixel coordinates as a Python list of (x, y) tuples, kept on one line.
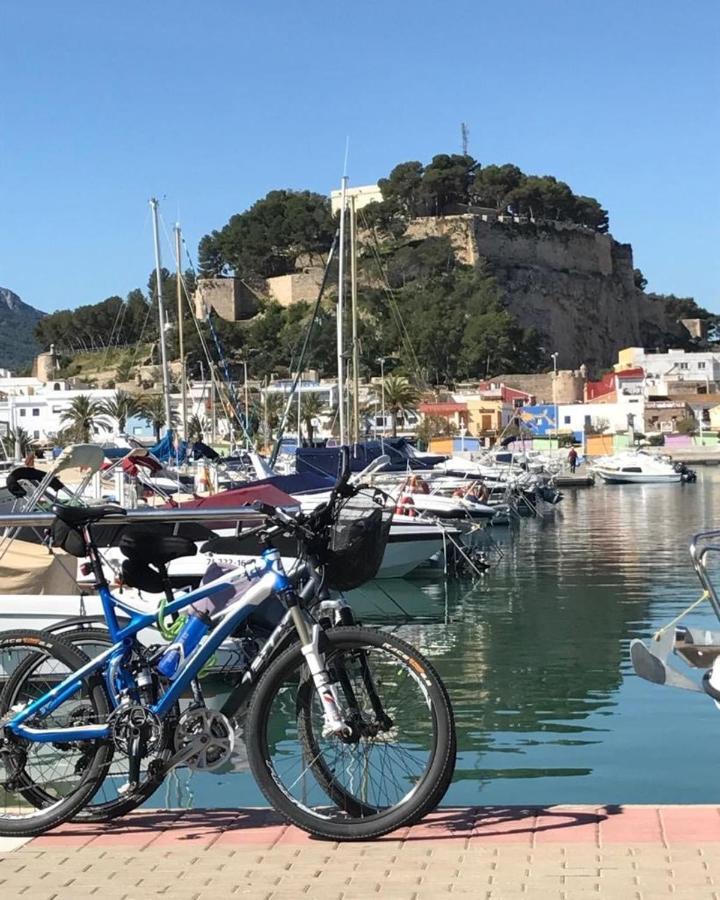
[(701, 546), (134, 516)]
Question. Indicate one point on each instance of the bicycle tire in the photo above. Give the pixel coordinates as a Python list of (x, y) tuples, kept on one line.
[(354, 804), (416, 803), (94, 811), (40, 820)]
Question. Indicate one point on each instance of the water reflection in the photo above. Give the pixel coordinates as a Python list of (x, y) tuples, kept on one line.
[(535, 655)]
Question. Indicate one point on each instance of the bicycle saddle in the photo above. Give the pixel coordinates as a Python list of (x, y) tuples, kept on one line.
[(141, 544)]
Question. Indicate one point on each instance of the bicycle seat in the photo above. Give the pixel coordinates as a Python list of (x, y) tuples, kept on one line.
[(141, 544), (75, 516)]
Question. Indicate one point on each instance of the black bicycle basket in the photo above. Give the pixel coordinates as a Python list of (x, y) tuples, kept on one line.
[(357, 539)]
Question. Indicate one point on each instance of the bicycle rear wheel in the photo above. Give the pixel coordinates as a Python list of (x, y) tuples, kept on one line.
[(68, 772), (30, 680), (393, 766)]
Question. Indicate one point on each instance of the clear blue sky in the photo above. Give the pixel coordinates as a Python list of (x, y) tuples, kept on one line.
[(208, 105)]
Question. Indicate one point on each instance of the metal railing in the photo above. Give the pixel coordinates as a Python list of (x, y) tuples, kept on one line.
[(134, 516), (699, 549)]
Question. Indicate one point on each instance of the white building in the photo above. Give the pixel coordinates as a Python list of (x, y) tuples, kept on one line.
[(362, 195), (669, 372), (39, 407)]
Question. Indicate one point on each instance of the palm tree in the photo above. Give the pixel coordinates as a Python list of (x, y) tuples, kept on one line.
[(83, 416), (195, 428), (152, 411), (274, 406), (400, 397), (19, 436), (121, 407), (311, 406)]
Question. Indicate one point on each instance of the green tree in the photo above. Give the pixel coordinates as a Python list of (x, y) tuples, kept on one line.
[(195, 428), (152, 411), (434, 426), (267, 239), (311, 407), (84, 417), (400, 398), (639, 279), (20, 437), (121, 407), (446, 182), (402, 189), (492, 185), (210, 258)]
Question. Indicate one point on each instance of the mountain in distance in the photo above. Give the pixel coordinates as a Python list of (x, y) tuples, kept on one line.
[(18, 346)]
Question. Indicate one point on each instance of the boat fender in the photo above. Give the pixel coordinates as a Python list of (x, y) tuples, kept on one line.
[(711, 681)]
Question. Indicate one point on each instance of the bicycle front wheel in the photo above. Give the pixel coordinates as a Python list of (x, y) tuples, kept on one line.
[(391, 767)]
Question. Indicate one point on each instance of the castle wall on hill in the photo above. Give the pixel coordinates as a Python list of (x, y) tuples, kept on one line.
[(572, 285)]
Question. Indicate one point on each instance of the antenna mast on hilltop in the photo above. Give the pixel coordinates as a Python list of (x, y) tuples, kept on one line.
[(465, 133)]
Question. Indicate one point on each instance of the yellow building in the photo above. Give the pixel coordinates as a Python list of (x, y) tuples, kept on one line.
[(484, 414), (627, 358), (715, 418)]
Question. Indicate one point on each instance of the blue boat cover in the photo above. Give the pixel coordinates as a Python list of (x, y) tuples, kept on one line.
[(169, 449), (325, 460)]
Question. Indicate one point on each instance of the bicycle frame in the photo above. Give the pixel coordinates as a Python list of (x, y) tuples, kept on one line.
[(270, 578)]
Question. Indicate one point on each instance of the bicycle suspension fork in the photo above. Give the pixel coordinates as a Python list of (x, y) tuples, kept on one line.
[(311, 639)]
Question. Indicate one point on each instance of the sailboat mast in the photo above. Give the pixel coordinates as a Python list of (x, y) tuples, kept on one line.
[(355, 341), (161, 314), (181, 336), (341, 314)]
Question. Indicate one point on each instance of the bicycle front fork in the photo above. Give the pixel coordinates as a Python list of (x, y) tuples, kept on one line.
[(311, 635)]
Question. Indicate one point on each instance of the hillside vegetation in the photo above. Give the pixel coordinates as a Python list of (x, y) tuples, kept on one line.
[(439, 320)]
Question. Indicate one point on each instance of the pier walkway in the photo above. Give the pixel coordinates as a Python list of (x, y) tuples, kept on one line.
[(489, 853)]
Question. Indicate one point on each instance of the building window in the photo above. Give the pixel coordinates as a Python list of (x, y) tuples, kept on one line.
[(57, 408), (23, 412), (518, 402), (56, 386), (566, 420), (683, 365), (701, 365), (36, 434), (36, 411)]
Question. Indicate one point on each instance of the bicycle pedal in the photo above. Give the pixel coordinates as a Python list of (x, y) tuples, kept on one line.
[(127, 788)]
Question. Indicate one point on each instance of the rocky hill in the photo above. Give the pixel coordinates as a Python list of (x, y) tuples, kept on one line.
[(573, 285), (18, 346)]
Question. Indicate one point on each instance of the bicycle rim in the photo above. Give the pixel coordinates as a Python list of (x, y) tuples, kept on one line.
[(386, 771), (42, 784)]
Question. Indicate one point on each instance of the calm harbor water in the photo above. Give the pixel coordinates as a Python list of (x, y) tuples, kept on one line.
[(535, 655)]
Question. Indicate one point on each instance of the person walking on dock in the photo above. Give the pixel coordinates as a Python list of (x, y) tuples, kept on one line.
[(572, 459)]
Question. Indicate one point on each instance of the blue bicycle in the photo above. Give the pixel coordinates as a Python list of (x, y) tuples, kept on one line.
[(349, 731)]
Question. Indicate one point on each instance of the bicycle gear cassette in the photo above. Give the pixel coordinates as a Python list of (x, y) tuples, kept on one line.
[(211, 732), (127, 721)]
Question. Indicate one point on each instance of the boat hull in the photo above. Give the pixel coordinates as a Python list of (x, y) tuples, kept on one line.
[(613, 477)]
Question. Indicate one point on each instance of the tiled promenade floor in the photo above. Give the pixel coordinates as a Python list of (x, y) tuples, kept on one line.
[(624, 853)]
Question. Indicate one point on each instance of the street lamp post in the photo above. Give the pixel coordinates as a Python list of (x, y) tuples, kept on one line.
[(381, 360), (554, 357)]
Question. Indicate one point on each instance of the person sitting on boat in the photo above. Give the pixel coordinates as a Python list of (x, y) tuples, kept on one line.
[(417, 485), (478, 492)]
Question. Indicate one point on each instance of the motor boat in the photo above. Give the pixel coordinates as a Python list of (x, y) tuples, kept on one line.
[(639, 468)]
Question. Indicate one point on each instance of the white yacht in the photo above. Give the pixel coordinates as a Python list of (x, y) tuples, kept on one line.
[(637, 468)]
